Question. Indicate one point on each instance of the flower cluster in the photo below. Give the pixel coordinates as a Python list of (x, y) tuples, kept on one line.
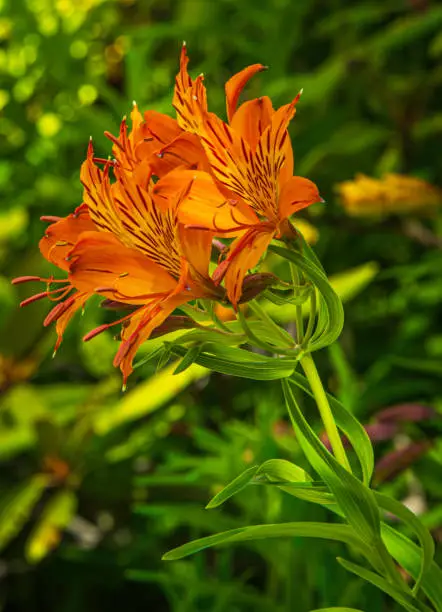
[(392, 194), (142, 237)]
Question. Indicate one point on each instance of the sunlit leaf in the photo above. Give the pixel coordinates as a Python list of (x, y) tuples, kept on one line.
[(17, 506), (56, 516), (341, 533)]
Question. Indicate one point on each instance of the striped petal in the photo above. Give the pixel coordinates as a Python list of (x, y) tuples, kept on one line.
[(244, 254), (189, 97), (236, 84), (99, 262), (60, 236)]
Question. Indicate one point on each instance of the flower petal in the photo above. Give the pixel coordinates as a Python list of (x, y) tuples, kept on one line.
[(183, 152), (236, 84), (252, 118), (196, 247), (63, 312), (297, 193), (127, 210), (189, 97), (244, 253), (60, 236), (141, 325), (204, 205), (99, 262)]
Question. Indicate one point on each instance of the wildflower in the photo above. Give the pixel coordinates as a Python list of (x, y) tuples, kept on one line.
[(131, 250), (158, 143), (392, 194), (251, 160), (55, 245)]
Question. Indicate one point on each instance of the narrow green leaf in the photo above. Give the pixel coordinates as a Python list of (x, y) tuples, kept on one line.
[(232, 488), (18, 505), (410, 557), (351, 427), (336, 610), (341, 533), (282, 470), (56, 516), (347, 284), (189, 358), (397, 594), (409, 518), (354, 498), (331, 313), (241, 363)]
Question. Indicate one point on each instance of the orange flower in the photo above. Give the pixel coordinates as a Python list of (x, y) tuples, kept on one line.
[(159, 142), (392, 194), (251, 161), (126, 246), (58, 240)]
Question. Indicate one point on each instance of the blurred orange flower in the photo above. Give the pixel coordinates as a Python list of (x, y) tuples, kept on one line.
[(392, 194)]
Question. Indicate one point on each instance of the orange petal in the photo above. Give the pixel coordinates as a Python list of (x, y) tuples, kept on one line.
[(126, 209), (99, 262), (98, 195), (157, 131), (196, 246), (236, 84), (185, 152), (204, 206), (252, 118), (244, 254), (189, 97), (63, 313), (60, 237), (297, 193), (229, 156), (141, 325)]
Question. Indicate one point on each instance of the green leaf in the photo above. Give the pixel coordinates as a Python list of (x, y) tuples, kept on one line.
[(18, 505), (147, 397), (397, 594), (347, 284), (282, 470), (293, 480), (232, 488), (56, 516), (356, 501), (351, 427), (410, 557), (336, 610), (188, 359), (241, 363), (409, 518), (331, 313), (340, 533)]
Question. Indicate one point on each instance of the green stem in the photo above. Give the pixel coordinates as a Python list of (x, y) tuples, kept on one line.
[(296, 280), (311, 318), (313, 378)]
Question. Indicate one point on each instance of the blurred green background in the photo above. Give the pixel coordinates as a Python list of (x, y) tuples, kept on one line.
[(96, 485)]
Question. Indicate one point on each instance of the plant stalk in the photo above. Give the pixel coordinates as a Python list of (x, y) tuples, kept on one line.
[(328, 420)]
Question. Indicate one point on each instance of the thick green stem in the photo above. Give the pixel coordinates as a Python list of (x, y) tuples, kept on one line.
[(312, 375)]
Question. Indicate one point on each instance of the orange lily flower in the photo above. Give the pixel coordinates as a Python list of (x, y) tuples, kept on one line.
[(251, 161), (159, 142), (56, 243), (126, 246)]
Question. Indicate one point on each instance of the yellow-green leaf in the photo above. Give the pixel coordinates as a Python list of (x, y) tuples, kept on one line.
[(56, 516)]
